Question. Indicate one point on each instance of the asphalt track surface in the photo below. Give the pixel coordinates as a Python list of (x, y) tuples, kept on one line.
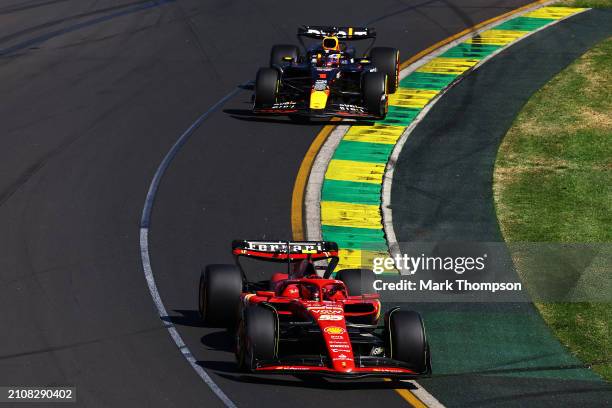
[(93, 94), (442, 190)]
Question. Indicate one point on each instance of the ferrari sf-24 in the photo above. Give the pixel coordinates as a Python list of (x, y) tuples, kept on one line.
[(301, 320)]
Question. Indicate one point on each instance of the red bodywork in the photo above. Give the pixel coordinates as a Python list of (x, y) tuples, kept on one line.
[(320, 310), (330, 316)]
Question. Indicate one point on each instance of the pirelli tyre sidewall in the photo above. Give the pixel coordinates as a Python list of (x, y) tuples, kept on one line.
[(281, 51), (219, 295), (386, 60), (266, 87), (256, 336), (374, 91), (406, 340)]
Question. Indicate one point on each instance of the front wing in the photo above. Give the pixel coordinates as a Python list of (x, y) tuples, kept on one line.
[(365, 367), (334, 110)]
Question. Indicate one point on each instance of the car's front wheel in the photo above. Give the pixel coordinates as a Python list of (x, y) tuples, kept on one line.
[(406, 340), (256, 337), (374, 91), (266, 87)]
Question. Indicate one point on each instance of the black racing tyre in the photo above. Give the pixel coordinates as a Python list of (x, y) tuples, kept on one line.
[(357, 281), (266, 87), (257, 337), (386, 60), (406, 339), (280, 51), (374, 93), (219, 295)]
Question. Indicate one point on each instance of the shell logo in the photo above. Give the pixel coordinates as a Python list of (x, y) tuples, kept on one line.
[(334, 330)]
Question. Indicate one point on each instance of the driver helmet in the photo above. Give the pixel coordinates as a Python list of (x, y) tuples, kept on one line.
[(291, 291), (310, 292), (333, 60)]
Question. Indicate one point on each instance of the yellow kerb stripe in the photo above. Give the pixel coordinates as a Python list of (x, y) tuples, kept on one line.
[(411, 98), (356, 258), (554, 12), (384, 134), (341, 214), (448, 65), (497, 37), (349, 170)]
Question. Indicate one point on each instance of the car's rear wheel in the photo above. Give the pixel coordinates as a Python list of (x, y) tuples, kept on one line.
[(279, 52), (219, 295), (374, 93), (386, 60), (357, 281), (257, 337), (266, 87), (406, 340)]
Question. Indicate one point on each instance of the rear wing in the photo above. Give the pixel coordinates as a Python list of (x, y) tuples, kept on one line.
[(285, 251), (343, 33)]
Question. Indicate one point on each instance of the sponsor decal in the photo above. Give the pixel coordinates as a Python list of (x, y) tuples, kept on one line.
[(325, 309), (284, 105), (320, 84), (294, 247), (351, 108), (334, 330), (342, 357), (330, 317), (336, 337), (388, 370), (295, 368), (340, 346)]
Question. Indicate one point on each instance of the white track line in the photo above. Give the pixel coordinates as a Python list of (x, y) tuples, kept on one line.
[(146, 259), (315, 180)]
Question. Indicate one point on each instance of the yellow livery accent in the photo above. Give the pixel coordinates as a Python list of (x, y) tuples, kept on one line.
[(411, 98), (383, 134), (349, 170), (341, 214), (318, 99)]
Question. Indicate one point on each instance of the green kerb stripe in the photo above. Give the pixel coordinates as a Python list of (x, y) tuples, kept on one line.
[(524, 24), (355, 238), (399, 116), (351, 192), (426, 80), (363, 151), (474, 51)]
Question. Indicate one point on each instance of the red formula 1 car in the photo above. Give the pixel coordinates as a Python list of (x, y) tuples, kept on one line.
[(303, 321)]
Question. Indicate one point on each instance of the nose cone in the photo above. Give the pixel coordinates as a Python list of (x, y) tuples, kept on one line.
[(318, 99), (333, 328)]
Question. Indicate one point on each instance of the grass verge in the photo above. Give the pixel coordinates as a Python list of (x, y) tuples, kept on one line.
[(585, 3), (553, 183)]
